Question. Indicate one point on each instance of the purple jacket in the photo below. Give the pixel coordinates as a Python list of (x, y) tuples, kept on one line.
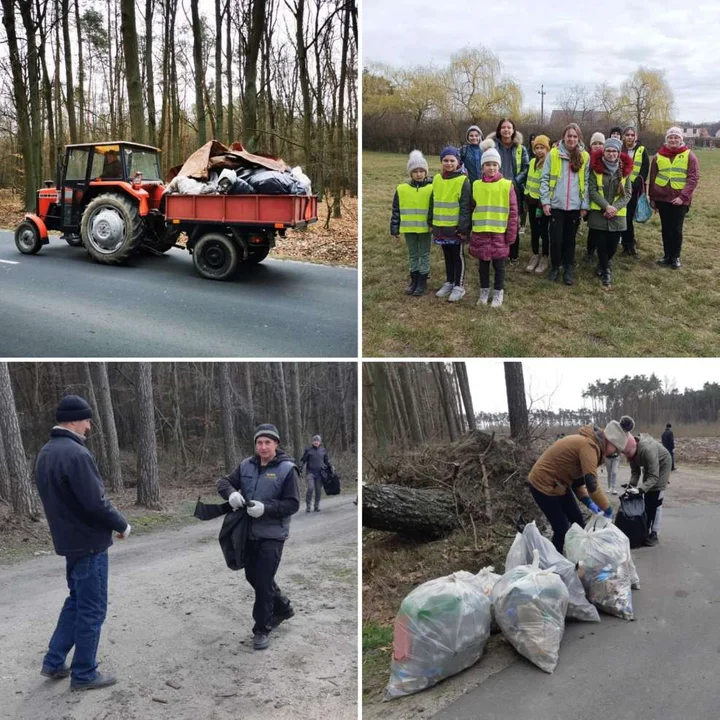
[(494, 246)]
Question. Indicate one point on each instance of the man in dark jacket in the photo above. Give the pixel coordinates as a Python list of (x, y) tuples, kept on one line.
[(81, 521), (267, 485), (668, 441), (315, 461)]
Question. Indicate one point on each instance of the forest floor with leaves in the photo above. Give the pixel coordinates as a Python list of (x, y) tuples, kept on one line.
[(392, 565), (335, 245), (650, 311), (178, 630)]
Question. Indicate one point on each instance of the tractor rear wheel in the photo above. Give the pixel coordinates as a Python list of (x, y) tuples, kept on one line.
[(111, 228), (27, 238), (215, 256)]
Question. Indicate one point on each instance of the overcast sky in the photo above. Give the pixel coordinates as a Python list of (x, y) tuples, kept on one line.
[(574, 42), (553, 384)]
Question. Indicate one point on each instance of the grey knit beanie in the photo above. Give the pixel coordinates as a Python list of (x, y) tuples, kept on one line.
[(266, 430), (476, 128), (417, 161), (316, 437), (613, 144)]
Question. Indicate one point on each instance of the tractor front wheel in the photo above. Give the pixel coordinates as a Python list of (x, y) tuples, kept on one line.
[(27, 238), (111, 228), (215, 256)]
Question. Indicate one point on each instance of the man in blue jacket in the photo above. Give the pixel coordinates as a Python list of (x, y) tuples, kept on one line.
[(315, 460), (267, 485), (81, 521)]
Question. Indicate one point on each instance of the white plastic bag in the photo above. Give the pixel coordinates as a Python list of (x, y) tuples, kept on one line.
[(600, 522), (441, 628), (602, 555), (530, 606), (486, 579), (521, 553), (302, 178)]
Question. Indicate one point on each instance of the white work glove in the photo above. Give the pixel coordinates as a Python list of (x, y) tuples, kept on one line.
[(236, 500), (255, 509), (124, 534)]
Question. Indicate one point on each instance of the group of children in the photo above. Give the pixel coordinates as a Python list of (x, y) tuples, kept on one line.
[(487, 185)]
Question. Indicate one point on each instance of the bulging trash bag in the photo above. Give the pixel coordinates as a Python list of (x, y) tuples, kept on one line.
[(241, 187), (441, 628), (600, 522), (602, 555), (486, 579), (521, 553), (530, 606), (302, 178), (226, 180), (271, 182), (631, 517)]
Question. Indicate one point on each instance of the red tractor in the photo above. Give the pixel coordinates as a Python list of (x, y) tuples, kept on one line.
[(109, 198)]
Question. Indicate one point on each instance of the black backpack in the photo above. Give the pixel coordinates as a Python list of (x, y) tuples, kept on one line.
[(631, 518)]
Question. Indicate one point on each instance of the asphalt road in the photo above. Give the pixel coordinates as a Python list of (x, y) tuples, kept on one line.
[(61, 304), (662, 666)]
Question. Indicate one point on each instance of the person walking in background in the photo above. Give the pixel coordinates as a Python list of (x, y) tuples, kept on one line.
[(597, 145), (266, 485), (315, 461), (564, 197), (638, 178), (514, 163), (471, 153), (494, 225), (668, 441), (411, 217), (451, 221), (538, 220), (82, 521), (674, 175), (610, 192)]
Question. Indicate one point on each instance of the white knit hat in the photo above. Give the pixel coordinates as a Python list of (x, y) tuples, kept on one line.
[(491, 155), (597, 137), (417, 161), (673, 131), (616, 435)]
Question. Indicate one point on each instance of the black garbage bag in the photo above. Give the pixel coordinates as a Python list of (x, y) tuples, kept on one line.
[(233, 533), (330, 481), (242, 187), (271, 182), (631, 518)]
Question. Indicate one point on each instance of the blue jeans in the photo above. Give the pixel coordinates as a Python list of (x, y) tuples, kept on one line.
[(81, 617)]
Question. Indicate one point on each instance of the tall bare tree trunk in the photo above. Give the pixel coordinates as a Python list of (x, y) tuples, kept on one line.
[(132, 70), (295, 415), (81, 76), (150, 71), (229, 56), (69, 92), (247, 377), (181, 454), (97, 443), (411, 403), (446, 399), (4, 475), (462, 376), (148, 484), (517, 408), (114, 473), (218, 71), (23, 498), (254, 38), (339, 139), (283, 401), (226, 415), (199, 73)]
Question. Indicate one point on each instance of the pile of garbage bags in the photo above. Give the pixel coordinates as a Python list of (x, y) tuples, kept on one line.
[(530, 606), (441, 628)]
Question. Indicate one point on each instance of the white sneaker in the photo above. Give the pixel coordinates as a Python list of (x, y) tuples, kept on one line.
[(614, 491), (497, 298), (484, 295), (458, 292), (445, 290)]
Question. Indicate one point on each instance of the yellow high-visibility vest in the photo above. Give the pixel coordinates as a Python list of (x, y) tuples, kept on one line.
[(492, 206), (532, 187), (637, 162), (414, 205), (672, 171), (601, 190), (556, 166), (446, 200)]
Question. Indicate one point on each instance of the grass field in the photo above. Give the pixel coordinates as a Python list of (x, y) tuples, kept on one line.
[(650, 311)]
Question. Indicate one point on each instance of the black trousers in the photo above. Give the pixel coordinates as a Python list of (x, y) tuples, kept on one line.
[(591, 240), (563, 230), (539, 231), (652, 503), (672, 218), (262, 559), (561, 511), (628, 236), (606, 243), (454, 263), (499, 266)]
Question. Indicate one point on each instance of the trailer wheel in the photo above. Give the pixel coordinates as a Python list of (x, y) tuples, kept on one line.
[(27, 238), (215, 256), (257, 256), (111, 228)]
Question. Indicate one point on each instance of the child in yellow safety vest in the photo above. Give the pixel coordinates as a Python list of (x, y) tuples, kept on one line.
[(674, 175), (641, 167), (451, 221), (494, 225), (411, 217), (538, 220), (597, 145)]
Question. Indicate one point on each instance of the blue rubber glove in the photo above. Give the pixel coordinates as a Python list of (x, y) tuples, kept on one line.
[(590, 505), (608, 513)]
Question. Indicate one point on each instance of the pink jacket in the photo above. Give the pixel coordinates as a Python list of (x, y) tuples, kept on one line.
[(494, 246)]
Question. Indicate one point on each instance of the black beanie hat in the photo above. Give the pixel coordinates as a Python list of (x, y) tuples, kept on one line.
[(267, 430), (72, 408)]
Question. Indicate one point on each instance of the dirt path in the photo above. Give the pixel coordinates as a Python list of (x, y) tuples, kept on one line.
[(690, 487), (177, 615)]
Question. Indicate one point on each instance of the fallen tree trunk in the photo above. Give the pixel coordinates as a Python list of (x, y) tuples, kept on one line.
[(425, 514)]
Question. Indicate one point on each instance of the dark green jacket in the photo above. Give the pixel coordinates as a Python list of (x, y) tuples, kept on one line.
[(655, 463)]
